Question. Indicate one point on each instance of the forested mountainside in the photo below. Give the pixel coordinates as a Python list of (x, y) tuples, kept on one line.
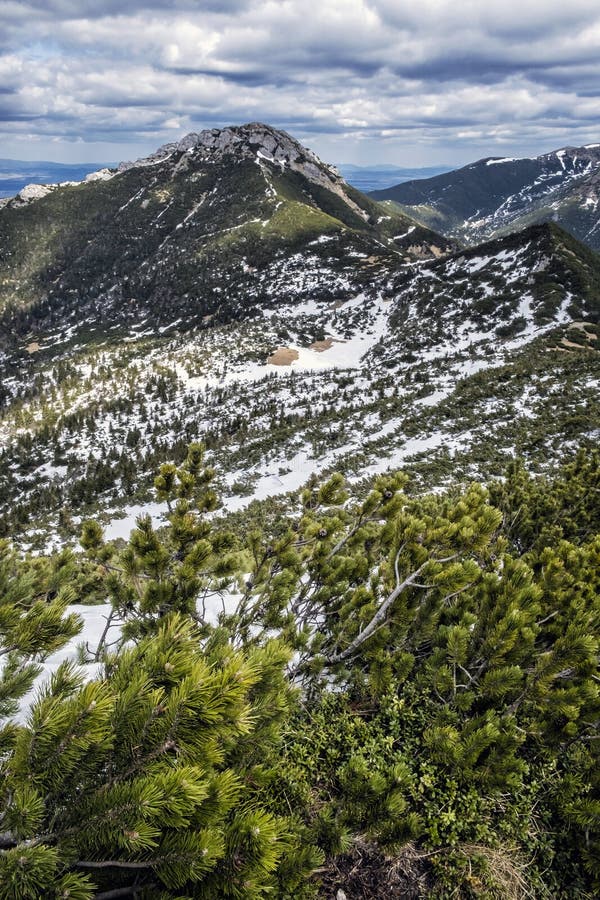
[(300, 541), (201, 228), (494, 196), (449, 367)]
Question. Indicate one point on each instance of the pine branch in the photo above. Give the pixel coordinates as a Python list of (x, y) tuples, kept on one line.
[(381, 613), (117, 864), (547, 619), (379, 616), (343, 541), (102, 641)]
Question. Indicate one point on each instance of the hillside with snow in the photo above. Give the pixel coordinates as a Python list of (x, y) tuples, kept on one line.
[(446, 368), (232, 288), (497, 195)]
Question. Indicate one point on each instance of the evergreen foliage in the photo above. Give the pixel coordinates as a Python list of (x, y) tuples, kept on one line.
[(34, 596), (181, 571), (468, 702), (460, 632), (538, 512), (146, 778)]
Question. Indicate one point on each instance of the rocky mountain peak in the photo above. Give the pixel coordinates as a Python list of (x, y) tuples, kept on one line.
[(253, 140), (585, 153)]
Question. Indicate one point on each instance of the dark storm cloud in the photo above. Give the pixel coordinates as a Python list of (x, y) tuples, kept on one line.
[(379, 72)]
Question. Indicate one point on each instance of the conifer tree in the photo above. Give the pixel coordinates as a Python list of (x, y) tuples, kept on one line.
[(154, 777), (463, 643), (420, 599), (182, 570), (539, 511), (144, 781), (34, 619)]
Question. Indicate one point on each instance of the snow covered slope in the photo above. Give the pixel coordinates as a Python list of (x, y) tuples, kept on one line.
[(496, 195), (443, 367)]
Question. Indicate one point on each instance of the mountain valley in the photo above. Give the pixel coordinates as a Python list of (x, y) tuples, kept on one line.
[(233, 288)]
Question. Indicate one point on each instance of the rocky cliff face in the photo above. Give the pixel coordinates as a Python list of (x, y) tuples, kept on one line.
[(254, 140)]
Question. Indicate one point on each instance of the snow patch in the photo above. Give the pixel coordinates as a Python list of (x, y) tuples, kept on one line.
[(122, 527), (505, 159)]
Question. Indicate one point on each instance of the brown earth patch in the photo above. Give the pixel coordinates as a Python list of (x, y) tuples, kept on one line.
[(567, 343), (320, 346), (33, 347), (365, 873), (582, 326), (423, 250), (283, 356)]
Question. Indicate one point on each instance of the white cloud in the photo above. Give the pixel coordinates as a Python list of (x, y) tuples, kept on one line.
[(385, 80)]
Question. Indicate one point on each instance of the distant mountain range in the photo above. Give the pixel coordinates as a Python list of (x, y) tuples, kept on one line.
[(372, 178), (233, 287), (16, 174), (496, 195)]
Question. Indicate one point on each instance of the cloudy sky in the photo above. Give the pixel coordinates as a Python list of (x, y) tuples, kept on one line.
[(410, 82)]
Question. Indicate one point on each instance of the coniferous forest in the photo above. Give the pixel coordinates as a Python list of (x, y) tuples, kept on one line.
[(299, 531), (375, 692)]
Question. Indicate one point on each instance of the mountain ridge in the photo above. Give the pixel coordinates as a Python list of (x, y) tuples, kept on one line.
[(442, 367), (166, 233), (224, 296), (497, 194)]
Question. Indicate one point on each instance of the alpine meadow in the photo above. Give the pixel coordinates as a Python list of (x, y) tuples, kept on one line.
[(299, 485)]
